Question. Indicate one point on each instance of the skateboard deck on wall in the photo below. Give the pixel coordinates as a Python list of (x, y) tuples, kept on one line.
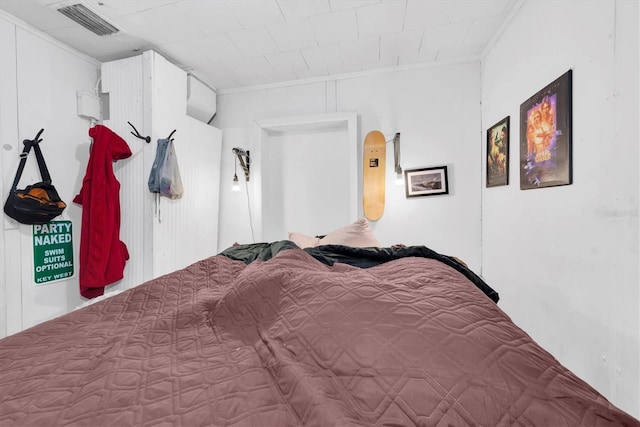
[(373, 178)]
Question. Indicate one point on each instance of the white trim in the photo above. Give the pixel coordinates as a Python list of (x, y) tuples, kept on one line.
[(23, 25), (262, 129)]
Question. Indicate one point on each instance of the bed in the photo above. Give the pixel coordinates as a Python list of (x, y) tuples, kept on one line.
[(271, 334)]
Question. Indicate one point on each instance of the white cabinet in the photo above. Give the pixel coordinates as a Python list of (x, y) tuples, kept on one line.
[(165, 235)]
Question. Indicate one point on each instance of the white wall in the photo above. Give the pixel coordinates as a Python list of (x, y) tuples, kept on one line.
[(39, 79), (38, 82), (565, 259), (437, 112)]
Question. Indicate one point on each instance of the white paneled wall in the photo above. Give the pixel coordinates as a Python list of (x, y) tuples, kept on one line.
[(123, 81), (39, 79), (8, 132)]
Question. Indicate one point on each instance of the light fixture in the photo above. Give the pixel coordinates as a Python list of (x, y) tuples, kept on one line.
[(236, 184), (245, 161), (396, 159)]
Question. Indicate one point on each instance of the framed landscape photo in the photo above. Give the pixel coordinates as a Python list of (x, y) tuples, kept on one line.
[(546, 136), (426, 181), (498, 153)]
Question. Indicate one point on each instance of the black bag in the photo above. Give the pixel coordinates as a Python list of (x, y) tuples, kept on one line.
[(38, 203)]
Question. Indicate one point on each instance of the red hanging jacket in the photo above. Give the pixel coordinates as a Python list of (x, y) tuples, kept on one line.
[(102, 254)]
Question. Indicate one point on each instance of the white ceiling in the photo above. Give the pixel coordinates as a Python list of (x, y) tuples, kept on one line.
[(236, 43)]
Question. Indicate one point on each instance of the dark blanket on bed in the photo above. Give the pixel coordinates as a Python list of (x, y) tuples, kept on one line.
[(291, 341), (358, 257)]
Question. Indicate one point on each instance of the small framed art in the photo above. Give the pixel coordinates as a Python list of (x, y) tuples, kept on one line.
[(545, 136), (498, 153), (426, 181)]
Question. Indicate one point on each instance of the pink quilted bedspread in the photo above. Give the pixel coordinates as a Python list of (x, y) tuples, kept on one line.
[(289, 342)]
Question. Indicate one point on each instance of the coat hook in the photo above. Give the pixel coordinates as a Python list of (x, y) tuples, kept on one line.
[(137, 134), (171, 134)]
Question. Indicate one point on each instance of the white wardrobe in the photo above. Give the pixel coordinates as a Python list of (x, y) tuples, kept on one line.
[(162, 235)]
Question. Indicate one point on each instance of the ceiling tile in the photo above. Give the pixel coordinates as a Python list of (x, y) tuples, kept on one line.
[(319, 72), (258, 63), (252, 71), (322, 57), (424, 55), (219, 49), (95, 46), (468, 51), (425, 14), (381, 63), (482, 30), (360, 51), (185, 54), (445, 36), (292, 35), (254, 41), (218, 75), (117, 8), (222, 82), (345, 68), (288, 61), (474, 9), (350, 4), (381, 19), (401, 44), (294, 9), (151, 25), (44, 18), (209, 17), (335, 27), (282, 76), (255, 13)]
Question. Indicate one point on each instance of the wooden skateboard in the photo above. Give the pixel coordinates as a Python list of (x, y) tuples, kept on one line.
[(373, 178)]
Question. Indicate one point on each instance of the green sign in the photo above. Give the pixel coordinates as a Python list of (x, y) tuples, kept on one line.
[(52, 251)]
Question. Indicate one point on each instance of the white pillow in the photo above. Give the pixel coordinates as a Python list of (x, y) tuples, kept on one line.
[(357, 235), (302, 240)]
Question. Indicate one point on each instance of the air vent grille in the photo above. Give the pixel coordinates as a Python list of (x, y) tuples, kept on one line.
[(87, 18)]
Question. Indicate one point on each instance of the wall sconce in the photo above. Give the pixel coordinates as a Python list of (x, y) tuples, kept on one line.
[(236, 184), (245, 161), (396, 159)]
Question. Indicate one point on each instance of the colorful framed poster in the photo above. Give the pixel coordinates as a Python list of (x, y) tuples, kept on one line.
[(498, 153), (545, 136), (426, 181)]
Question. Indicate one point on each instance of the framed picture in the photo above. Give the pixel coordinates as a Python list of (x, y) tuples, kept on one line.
[(498, 153), (545, 136), (426, 181)]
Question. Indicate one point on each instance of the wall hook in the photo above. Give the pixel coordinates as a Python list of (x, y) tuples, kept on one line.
[(137, 134)]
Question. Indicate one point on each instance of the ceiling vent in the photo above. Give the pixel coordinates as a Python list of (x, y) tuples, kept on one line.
[(84, 16)]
